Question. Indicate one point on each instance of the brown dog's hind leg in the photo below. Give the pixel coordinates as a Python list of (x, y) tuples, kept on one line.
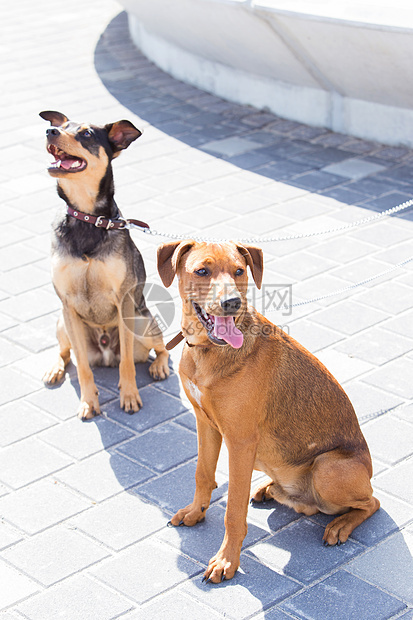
[(263, 492), (56, 373), (209, 445), (343, 486)]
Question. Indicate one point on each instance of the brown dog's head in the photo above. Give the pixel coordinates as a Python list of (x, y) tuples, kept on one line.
[(213, 285)]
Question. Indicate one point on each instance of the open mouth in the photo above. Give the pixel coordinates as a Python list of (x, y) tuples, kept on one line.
[(221, 330), (64, 161)]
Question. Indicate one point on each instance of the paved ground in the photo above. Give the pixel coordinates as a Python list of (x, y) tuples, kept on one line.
[(84, 506)]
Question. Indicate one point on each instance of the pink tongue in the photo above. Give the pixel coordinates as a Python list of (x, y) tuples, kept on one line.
[(224, 328), (66, 163)]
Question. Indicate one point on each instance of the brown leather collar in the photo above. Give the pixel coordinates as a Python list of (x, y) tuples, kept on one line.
[(102, 222), (179, 337), (176, 340)]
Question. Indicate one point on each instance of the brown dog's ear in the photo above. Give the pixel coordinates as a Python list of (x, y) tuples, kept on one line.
[(255, 261), (169, 255), (56, 119), (121, 134)]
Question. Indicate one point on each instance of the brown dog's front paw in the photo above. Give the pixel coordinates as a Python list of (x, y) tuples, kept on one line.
[(130, 399), (221, 567), (88, 410), (54, 375), (338, 531), (89, 404), (189, 516), (159, 369)]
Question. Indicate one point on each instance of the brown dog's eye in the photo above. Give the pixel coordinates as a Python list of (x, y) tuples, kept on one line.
[(239, 272), (202, 272)]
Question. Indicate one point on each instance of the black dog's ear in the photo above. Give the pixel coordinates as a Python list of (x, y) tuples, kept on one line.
[(56, 118), (169, 255), (121, 134), (255, 261)]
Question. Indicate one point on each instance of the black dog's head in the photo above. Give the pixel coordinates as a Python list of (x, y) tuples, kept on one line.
[(83, 149), (82, 158)]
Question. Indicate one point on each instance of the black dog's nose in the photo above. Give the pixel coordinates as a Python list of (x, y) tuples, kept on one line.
[(231, 305), (52, 131)]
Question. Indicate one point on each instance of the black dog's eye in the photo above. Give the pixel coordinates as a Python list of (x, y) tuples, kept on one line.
[(202, 272), (239, 272), (87, 133)]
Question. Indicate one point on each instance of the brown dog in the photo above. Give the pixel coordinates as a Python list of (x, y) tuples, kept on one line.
[(277, 407), (97, 270)]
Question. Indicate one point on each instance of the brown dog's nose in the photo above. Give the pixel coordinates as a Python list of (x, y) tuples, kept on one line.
[(52, 131), (231, 305)]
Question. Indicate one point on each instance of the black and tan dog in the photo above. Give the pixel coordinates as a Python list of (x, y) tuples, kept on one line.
[(97, 272), (276, 406)]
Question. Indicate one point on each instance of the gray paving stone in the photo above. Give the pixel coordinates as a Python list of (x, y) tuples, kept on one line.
[(370, 402), (297, 552), (353, 168), (174, 445), (145, 570), (19, 420), (363, 269), (34, 335), (159, 406), (318, 602), (348, 250), (253, 588), (382, 236), (376, 345), (398, 481), (18, 255), (402, 325), (405, 413), (174, 606), (389, 439), (389, 566), (54, 555), (121, 521), (318, 286), (305, 265), (313, 337), (14, 385), (18, 586), (349, 317), (115, 474), (10, 352), (81, 439), (395, 377), (315, 181), (8, 536), (78, 597), (396, 299), (175, 489), (188, 420), (274, 614), (40, 505), (29, 460), (30, 305)]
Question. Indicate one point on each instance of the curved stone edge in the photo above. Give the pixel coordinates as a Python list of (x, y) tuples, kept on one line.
[(319, 106)]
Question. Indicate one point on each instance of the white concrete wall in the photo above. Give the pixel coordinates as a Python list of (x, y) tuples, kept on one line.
[(346, 66)]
